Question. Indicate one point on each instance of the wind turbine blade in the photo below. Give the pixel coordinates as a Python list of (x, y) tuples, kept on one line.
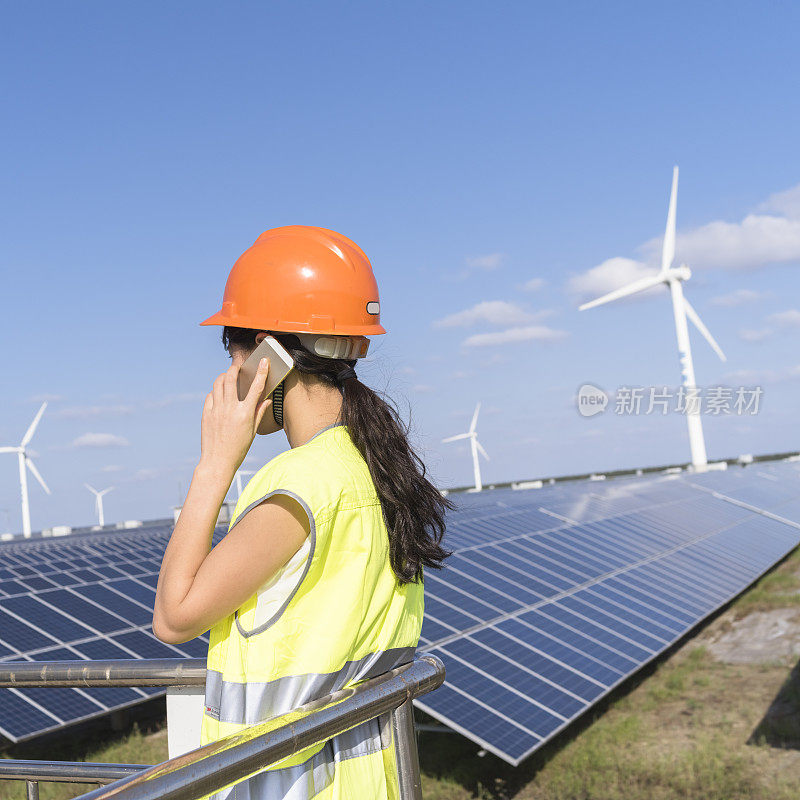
[(106, 491), (482, 451), (32, 468), (631, 288), (90, 488), (698, 323), (456, 438), (32, 428), (475, 418), (9, 449), (668, 250)]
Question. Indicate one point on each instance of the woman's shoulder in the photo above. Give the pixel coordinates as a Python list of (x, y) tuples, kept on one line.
[(325, 469)]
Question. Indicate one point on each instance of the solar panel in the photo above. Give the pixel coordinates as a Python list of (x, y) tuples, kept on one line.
[(552, 598), (86, 597), (536, 623)]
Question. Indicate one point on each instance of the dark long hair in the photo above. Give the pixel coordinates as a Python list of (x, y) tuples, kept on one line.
[(413, 508)]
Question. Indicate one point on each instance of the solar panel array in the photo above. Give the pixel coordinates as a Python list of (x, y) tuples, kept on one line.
[(83, 597), (552, 598)]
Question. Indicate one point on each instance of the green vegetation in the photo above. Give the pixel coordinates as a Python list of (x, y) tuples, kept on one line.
[(133, 747), (682, 732), (779, 588), (689, 727)]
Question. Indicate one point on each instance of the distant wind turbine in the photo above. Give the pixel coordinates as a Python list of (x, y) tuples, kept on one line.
[(98, 502), (239, 474), (25, 461), (672, 277), (475, 445)]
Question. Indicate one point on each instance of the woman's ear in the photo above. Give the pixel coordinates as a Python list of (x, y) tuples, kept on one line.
[(260, 337)]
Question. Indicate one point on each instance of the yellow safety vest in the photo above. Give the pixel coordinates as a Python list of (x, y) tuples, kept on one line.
[(348, 619)]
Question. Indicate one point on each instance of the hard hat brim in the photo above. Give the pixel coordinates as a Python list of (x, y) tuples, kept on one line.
[(221, 318)]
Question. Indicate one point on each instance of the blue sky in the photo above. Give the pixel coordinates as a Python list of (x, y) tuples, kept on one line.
[(510, 154)]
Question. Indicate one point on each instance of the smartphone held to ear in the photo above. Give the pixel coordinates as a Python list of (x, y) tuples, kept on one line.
[(280, 365)]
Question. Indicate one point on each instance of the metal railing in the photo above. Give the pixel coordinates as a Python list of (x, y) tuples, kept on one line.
[(237, 757)]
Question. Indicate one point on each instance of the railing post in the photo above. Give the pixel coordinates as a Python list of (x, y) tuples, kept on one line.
[(184, 715), (32, 790), (405, 749)]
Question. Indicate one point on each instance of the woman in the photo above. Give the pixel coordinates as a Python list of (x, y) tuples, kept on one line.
[(318, 582)]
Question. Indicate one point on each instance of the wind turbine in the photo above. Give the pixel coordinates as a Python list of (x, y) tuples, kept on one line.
[(25, 461), (98, 502), (672, 277), (239, 474), (475, 445)]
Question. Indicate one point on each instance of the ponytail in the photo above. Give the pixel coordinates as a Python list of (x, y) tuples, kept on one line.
[(413, 508)]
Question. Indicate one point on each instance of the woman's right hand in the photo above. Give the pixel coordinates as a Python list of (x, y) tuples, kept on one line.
[(229, 425)]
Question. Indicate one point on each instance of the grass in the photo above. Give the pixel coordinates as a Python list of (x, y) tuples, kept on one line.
[(148, 746), (779, 588), (686, 727), (680, 732)]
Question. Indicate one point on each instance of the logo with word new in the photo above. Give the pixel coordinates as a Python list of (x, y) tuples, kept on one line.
[(591, 400)]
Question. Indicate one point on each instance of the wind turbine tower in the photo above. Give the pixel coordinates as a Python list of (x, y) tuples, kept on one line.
[(240, 473), (475, 446), (98, 502), (25, 461), (681, 308)]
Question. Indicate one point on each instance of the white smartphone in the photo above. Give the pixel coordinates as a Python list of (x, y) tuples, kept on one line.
[(280, 365)]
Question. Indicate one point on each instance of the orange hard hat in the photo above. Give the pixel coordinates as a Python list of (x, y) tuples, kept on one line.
[(302, 279)]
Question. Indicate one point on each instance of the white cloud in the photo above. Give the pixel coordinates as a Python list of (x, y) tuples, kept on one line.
[(422, 388), (100, 440), (482, 263), (751, 377), (737, 298), (771, 236), (147, 474), (612, 274), (786, 203), (173, 399), (786, 319), (47, 398), (490, 261), (534, 284), (112, 468), (121, 409), (496, 312), (86, 412), (511, 335), (144, 474), (494, 360), (756, 241), (748, 335)]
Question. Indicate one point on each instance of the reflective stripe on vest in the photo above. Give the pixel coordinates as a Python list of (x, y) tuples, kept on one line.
[(346, 620), (313, 776), (252, 702)]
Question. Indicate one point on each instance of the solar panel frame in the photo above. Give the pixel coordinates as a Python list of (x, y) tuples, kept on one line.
[(100, 604), (582, 585), (663, 606)]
